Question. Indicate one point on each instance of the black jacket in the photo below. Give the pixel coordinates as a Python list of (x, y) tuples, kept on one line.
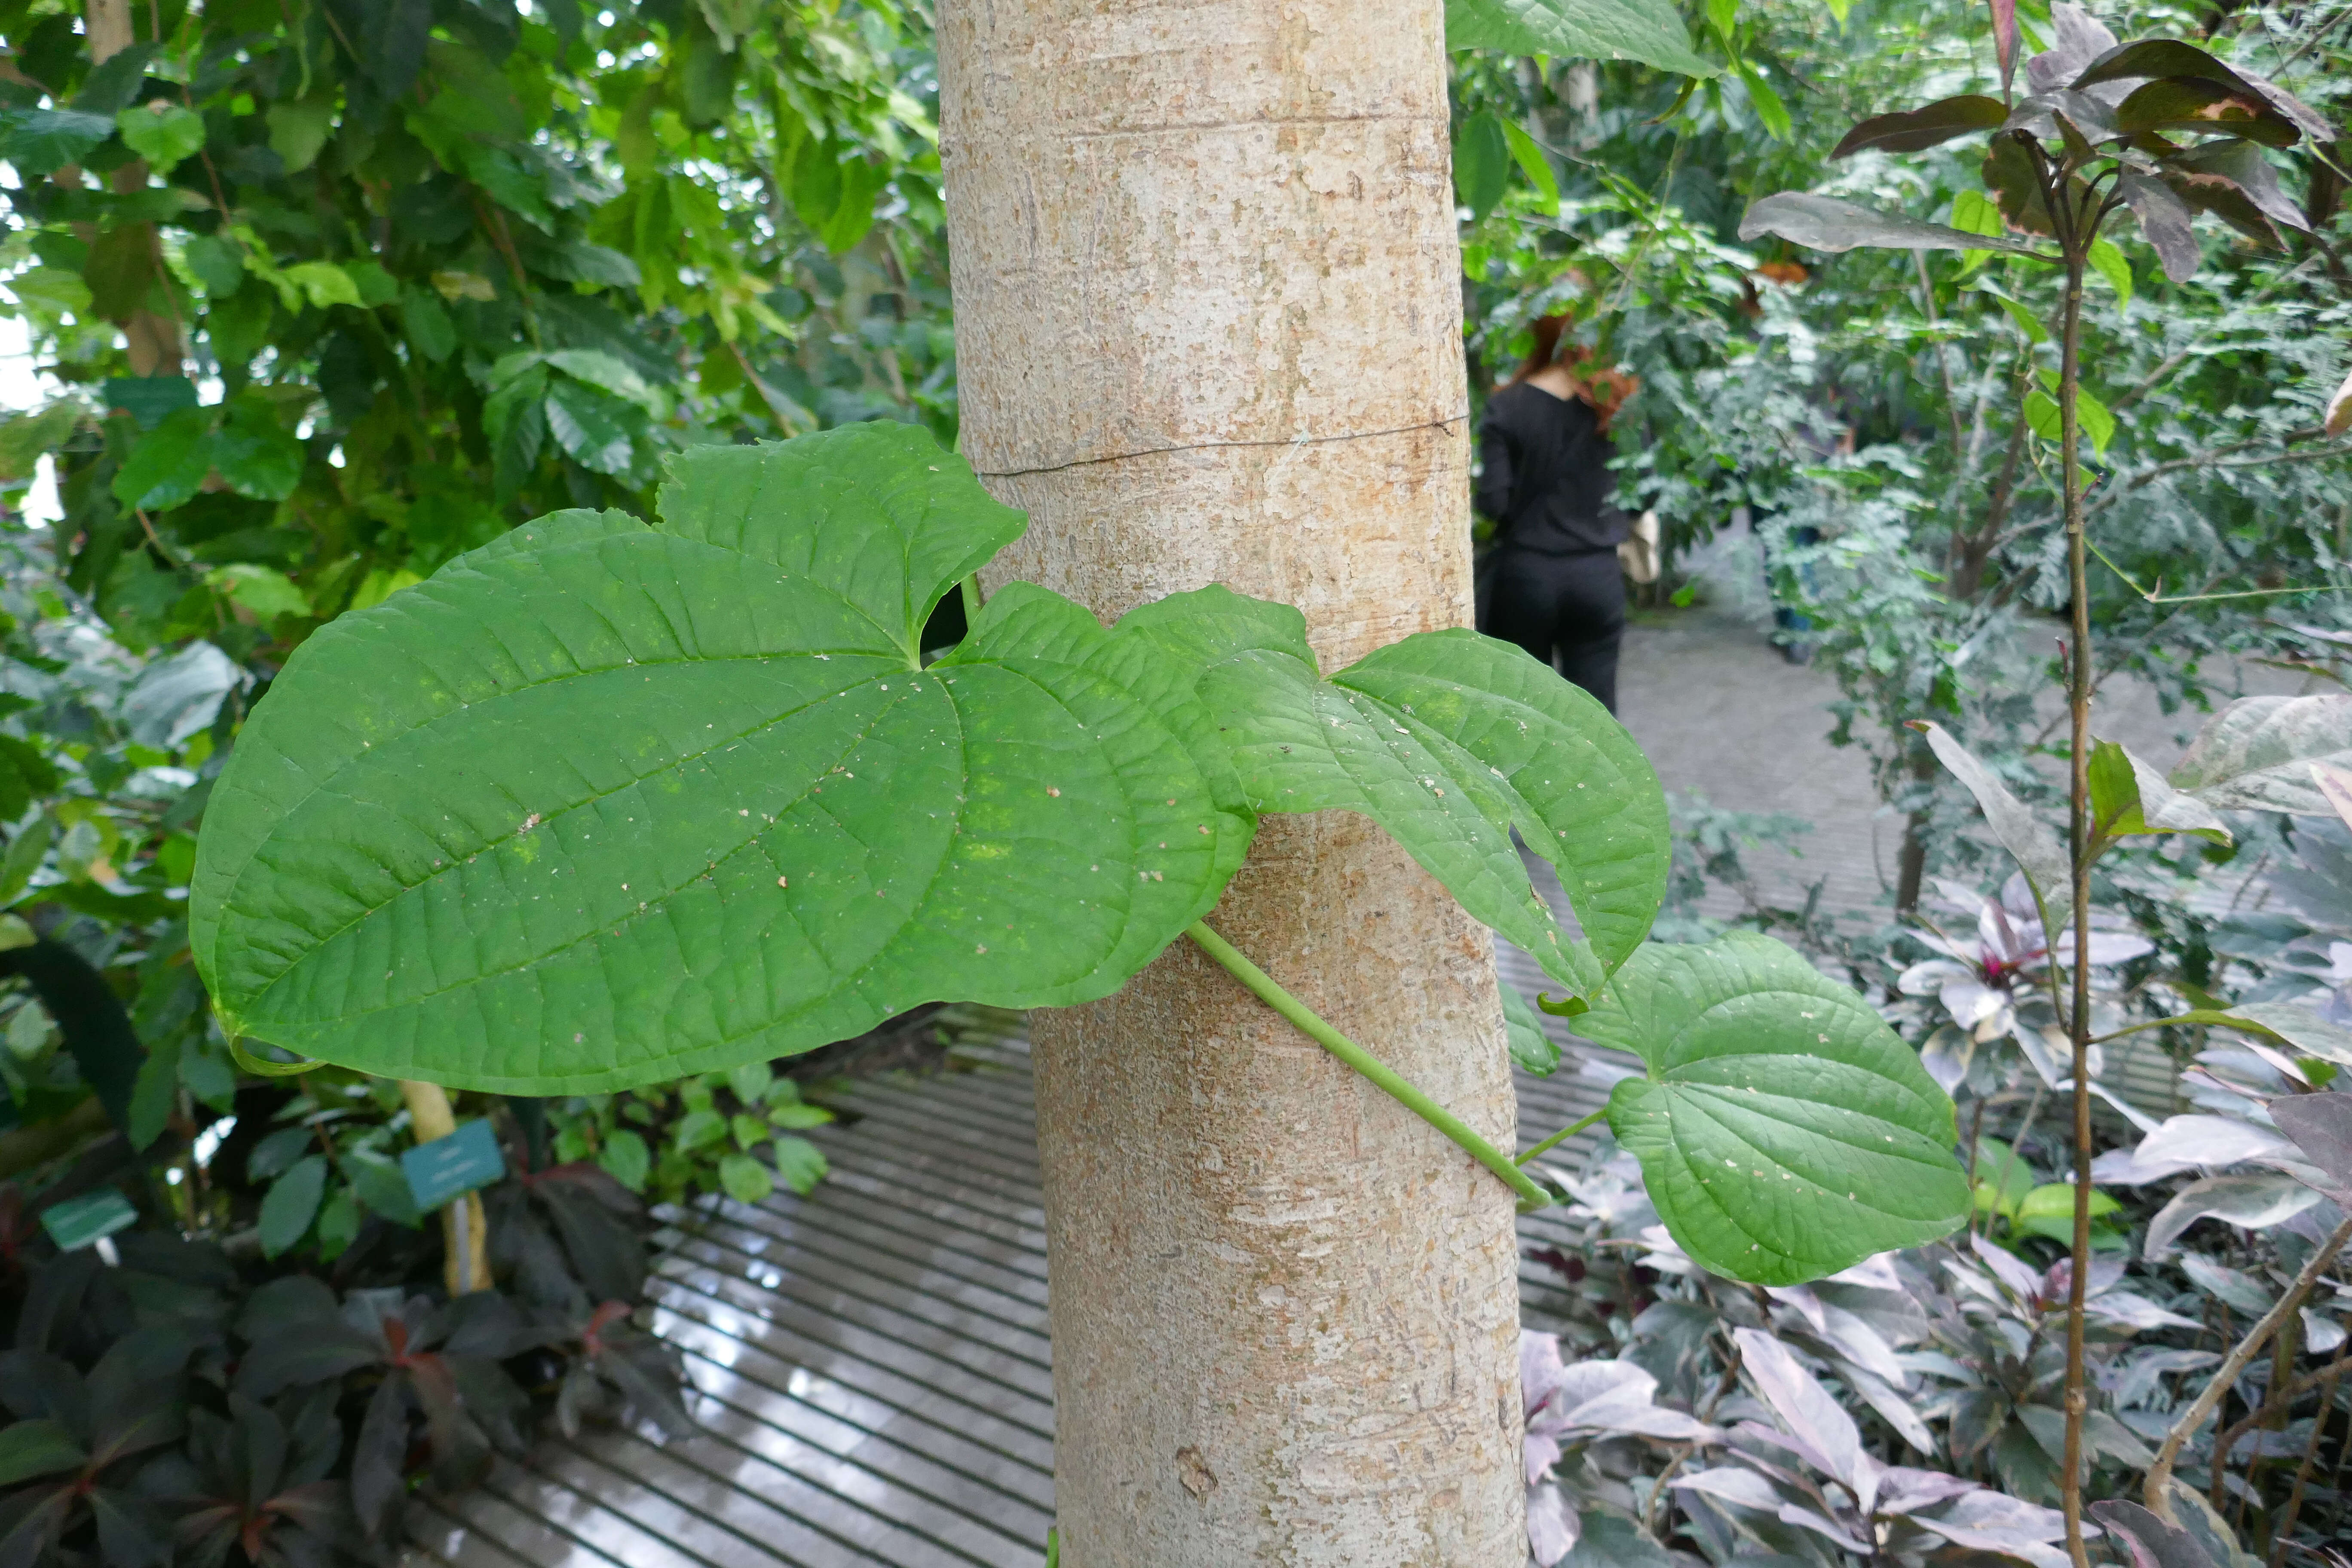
[(1546, 479)]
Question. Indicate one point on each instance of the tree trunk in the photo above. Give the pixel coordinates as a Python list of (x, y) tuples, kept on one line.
[(153, 340), (1208, 315)]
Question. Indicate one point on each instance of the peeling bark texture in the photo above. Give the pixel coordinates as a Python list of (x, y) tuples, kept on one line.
[(1208, 316)]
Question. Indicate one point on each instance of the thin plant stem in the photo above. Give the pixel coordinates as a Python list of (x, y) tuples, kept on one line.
[(1308, 1023), (2082, 841), (2284, 1392), (2158, 1489), (1562, 1136), (2284, 1530)]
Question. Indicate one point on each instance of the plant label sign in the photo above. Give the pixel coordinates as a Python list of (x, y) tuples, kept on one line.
[(84, 1221), (452, 1166)]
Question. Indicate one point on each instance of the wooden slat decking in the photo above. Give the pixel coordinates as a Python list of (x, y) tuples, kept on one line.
[(875, 1376)]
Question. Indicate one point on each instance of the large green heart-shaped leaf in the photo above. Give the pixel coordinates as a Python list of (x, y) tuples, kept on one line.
[(1784, 1130), (603, 803), (1448, 739)]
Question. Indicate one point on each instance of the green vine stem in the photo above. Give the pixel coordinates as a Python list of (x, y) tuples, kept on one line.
[(1531, 1195)]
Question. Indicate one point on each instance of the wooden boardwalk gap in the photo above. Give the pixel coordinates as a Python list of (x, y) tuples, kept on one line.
[(874, 1374)]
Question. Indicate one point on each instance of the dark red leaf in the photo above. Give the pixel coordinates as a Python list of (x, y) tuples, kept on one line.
[(1915, 130), (2160, 58), (2198, 103), (2004, 39), (2165, 221)]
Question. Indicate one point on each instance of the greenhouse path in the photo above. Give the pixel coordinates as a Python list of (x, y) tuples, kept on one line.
[(874, 1379), (872, 1362)]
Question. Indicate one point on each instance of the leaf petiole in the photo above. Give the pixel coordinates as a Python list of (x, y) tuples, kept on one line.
[(1532, 1196), (1562, 1136)]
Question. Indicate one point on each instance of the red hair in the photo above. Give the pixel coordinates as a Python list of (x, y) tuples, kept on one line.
[(1602, 391)]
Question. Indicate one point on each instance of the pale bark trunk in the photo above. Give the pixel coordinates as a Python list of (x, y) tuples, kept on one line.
[(152, 340), (1209, 330)]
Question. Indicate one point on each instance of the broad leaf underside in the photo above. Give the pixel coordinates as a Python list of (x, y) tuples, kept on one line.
[(604, 804), (1784, 1132)]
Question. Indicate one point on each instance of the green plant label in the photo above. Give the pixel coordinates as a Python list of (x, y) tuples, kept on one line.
[(81, 1221), (452, 1166)]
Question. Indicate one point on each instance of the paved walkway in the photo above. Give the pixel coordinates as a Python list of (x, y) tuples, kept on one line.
[(875, 1378), (1723, 715)]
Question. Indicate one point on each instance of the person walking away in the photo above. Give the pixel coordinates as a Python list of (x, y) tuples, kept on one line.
[(1558, 590)]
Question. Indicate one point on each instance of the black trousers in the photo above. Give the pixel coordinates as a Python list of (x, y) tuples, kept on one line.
[(1567, 610)]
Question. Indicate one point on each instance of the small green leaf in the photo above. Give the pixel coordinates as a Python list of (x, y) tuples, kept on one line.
[(2041, 414), (218, 265), (36, 1447), (796, 1115), (339, 1222), (699, 1129), (1534, 163), (163, 134), (801, 1164), (424, 321), (53, 290), (2128, 798), (2035, 333), (625, 1158), (745, 1179), (41, 141), (155, 1094), (324, 283), (1531, 1048), (257, 456), (276, 1153), (25, 852), (1482, 164), (586, 424), (2003, 1178), (2056, 1199), (1769, 111), (1784, 1130), (748, 1130), (261, 589), (382, 1186), (2107, 260), (2095, 420), (291, 1202), (607, 370), (751, 1082), (299, 129), (168, 465)]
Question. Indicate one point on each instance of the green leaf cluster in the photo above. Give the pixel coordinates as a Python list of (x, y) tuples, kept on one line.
[(689, 797)]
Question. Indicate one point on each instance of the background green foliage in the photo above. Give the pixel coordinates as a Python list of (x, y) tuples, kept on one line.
[(1929, 559), (325, 293)]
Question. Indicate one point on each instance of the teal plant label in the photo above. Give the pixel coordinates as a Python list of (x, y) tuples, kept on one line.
[(449, 1167), (79, 1222)]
